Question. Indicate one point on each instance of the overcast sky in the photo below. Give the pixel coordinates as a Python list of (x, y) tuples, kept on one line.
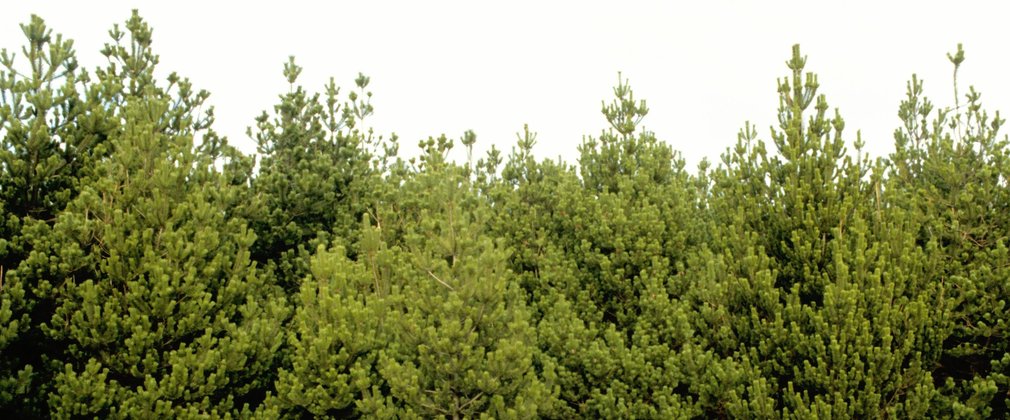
[(444, 67)]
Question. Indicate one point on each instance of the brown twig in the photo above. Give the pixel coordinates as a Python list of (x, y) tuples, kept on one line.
[(440, 280)]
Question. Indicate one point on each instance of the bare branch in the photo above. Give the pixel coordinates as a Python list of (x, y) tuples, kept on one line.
[(439, 280)]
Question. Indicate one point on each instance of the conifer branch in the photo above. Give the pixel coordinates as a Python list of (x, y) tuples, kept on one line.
[(440, 280), (471, 401)]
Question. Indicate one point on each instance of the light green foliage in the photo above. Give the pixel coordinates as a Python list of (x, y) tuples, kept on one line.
[(335, 336), (52, 128), (149, 270), (425, 323), (952, 168)]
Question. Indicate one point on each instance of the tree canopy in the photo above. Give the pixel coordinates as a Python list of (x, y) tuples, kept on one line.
[(149, 269)]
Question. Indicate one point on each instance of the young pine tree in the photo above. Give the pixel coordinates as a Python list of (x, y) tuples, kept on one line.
[(427, 322), (600, 259), (315, 174), (55, 122), (951, 169), (158, 307), (153, 308), (810, 281)]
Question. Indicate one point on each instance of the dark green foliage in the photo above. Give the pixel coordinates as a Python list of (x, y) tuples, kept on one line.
[(129, 273), (54, 125), (150, 270), (158, 306), (811, 280), (314, 174)]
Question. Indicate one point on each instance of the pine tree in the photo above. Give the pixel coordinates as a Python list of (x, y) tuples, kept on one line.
[(951, 168), (148, 270), (335, 337), (158, 305), (54, 126), (600, 259), (810, 280), (427, 322), (315, 173), (153, 308)]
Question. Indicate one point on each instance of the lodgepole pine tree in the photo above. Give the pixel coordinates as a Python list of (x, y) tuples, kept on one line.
[(153, 308), (426, 323), (315, 173), (159, 309), (811, 280), (951, 167), (54, 125), (600, 258)]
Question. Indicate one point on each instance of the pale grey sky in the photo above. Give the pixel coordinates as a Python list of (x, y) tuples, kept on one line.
[(444, 67)]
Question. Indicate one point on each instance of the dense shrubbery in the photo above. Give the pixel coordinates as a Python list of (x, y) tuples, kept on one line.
[(150, 270)]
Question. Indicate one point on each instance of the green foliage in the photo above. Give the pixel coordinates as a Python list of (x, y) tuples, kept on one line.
[(315, 173), (601, 258), (150, 270), (425, 323), (952, 168), (53, 127), (159, 308), (335, 337), (811, 279), (115, 208)]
